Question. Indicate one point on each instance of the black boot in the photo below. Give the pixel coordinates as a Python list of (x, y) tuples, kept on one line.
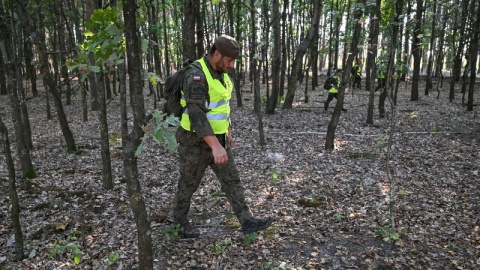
[(254, 225)]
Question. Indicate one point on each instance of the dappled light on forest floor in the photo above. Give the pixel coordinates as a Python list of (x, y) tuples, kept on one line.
[(332, 207)]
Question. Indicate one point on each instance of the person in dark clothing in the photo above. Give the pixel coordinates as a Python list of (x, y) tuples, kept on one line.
[(381, 77), (333, 83), (205, 138), (357, 74)]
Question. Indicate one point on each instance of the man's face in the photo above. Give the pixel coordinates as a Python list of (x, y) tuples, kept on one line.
[(339, 74), (223, 63)]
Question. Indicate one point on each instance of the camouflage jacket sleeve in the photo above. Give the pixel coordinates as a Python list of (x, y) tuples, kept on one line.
[(195, 89)]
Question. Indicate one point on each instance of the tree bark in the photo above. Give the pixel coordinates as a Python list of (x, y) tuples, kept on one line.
[(13, 80), (302, 48), (15, 210), (137, 202), (332, 126), (276, 59), (371, 65), (416, 50)]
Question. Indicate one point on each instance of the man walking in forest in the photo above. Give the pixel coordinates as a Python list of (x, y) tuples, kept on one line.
[(357, 74), (205, 139), (332, 84)]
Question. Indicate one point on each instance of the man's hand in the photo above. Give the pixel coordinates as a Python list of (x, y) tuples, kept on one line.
[(219, 153)]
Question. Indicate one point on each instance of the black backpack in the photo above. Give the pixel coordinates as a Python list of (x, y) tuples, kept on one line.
[(172, 91), (329, 83)]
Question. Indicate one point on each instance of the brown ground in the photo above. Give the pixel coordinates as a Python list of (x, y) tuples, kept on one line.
[(332, 208)]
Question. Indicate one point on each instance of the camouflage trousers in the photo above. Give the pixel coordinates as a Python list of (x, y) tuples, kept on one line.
[(194, 157)]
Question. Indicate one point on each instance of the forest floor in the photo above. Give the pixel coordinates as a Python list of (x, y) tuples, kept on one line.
[(332, 208)]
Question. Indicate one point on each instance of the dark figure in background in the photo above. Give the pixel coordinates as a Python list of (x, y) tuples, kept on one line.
[(381, 77), (332, 84), (205, 139), (357, 74)]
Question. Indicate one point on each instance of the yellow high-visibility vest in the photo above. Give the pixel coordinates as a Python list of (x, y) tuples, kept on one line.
[(218, 114)]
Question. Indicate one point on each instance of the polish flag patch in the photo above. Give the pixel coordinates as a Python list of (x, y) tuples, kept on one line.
[(196, 78)]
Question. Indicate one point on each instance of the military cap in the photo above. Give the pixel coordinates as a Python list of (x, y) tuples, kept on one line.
[(227, 46)]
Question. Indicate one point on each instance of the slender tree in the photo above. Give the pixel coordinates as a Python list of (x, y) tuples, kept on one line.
[(370, 68), (15, 209), (417, 50), (133, 140), (302, 48), (332, 126), (276, 59), (14, 78)]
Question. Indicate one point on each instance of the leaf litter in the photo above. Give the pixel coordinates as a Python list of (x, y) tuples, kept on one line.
[(332, 208)]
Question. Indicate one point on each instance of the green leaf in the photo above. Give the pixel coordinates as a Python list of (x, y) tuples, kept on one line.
[(95, 69), (76, 259)]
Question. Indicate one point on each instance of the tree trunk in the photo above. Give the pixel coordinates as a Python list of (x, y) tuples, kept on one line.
[(15, 210), (332, 126), (13, 80), (3, 78), (92, 80), (276, 59), (457, 64), (104, 141), (429, 84), (473, 54), (137, 202), (370, 68), (302, 48), (416, 51), (188, 31)]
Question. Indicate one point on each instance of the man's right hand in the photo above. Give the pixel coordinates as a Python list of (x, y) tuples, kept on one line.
[(218, 151)]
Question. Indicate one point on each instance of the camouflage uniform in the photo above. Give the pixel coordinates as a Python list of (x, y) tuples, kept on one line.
[(195, 155)]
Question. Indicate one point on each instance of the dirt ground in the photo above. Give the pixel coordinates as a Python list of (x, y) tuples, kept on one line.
[(360, 206)]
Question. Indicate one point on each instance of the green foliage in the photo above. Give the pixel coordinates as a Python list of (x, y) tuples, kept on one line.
[(389, 233), (164, 132), (173, 232), (104, 38), (115, 138), (112, 258), (219, 247), (31, 174), (382, 140), (274, 176), (249, 238), (217, 195), (339, 217), (62, 246)]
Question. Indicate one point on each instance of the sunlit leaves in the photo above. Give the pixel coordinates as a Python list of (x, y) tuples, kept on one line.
[(163, 133)]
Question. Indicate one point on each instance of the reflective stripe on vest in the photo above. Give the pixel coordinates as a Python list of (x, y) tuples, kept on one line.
[(219, 110)]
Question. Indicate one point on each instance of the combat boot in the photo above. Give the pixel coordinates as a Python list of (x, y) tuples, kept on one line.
[(254, 225), (187, 230)]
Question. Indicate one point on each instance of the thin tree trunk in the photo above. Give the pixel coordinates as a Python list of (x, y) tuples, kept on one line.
[(276, 59), (332, 126), (15, 210), (417, 51), (104, 142), (92, 80), (137, 202), (13, 80), (302, 48), (371, 69), (473, 54), (38, 38)]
